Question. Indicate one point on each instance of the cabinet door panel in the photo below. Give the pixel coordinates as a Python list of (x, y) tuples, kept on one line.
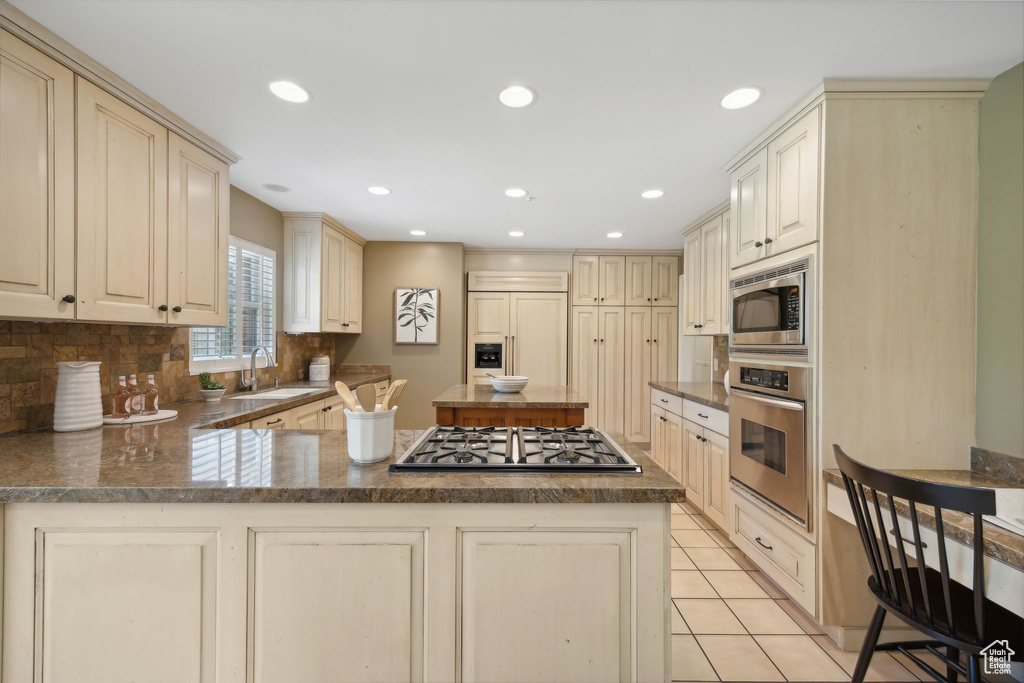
[(332, 303), (673, 440), (638, 280), (611, 354), (793, 164), (693, 278), (693, 446), (726, 296), (657, 416), (122, 211), (665, 280), (716, 496), (665, 344), (583, 377), (308, 416), (197, 235), (585, 634), (585, 281), (337, 606), (613, 281), (353, 286), (127, 606), (334, 413), (487, 323), (712, 277), (749, 207), (637, 374), (538, 336), (37, 183)]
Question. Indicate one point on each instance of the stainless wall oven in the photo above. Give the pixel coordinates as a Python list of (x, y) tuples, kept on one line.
[(768, 449), (768, 308)]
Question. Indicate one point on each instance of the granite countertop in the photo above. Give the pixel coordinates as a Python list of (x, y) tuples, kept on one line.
[(1000, 544), (533, 396), (195, 459), (707, 393)]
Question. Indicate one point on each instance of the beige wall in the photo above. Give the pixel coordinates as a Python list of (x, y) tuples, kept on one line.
[(430, 368), (261, 224), (1000, 425)]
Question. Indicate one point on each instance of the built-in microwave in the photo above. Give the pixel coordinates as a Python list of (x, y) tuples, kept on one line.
[(768, 308)]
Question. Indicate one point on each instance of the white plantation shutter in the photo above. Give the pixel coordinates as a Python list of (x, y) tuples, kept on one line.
[(251, 271)]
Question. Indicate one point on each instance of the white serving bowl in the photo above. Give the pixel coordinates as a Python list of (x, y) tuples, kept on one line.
[(509, 384)]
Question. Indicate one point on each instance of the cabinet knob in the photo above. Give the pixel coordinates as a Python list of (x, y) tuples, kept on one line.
[(758, 244), (655, 298), (595, 341), (655, 341), (602, 341), (767, 240), (648, 298), (344, 324), (602, 298), (162, 307), (648, 341), (176, 309), (69, 299)]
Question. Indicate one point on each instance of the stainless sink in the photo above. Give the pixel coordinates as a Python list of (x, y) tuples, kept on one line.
[(276, 394)]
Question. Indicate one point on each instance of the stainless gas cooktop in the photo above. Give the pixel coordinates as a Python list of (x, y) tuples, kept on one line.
[(515, 449)]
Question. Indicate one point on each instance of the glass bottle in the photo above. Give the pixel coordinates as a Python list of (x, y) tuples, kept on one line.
[(135, 398), (120, 407), (151, 399)]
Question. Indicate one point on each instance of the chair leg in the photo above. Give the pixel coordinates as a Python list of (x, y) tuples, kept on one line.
[(974, 669), (953, 654), (867, 650)]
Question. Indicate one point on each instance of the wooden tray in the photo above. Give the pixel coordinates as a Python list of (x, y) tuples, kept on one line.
[(135, 419)]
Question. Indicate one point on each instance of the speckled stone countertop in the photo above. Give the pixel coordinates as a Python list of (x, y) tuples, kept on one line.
[(194, 459), (533, 396), (708, 393), (1000, 544)]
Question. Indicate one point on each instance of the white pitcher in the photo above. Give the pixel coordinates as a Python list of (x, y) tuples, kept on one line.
[(78, 405)]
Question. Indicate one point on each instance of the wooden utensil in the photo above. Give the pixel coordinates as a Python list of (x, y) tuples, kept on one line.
[(347, 398), (367, 397), (390, 399)]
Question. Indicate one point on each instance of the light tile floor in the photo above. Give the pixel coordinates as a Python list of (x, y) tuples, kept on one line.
[(730, 623)]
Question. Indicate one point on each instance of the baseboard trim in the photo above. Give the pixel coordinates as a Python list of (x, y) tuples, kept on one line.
[(851, 638)]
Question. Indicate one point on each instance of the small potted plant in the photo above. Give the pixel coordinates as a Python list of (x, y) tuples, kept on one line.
[(211, 391)]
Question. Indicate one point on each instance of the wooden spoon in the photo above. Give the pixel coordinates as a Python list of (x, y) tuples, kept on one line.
[(367, 397), (394, 391), (347, 397)]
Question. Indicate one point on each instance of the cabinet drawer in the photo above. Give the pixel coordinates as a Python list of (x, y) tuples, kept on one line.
[(780, 552), (715, 420), (661, 399), (275, 421)]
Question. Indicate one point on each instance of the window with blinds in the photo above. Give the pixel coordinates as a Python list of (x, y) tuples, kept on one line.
[(251, 270)]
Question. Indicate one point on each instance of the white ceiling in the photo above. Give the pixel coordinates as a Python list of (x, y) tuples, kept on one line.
[(405, 96)]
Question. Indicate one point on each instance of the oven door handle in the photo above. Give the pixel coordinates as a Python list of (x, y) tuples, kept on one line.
[(777, 402)]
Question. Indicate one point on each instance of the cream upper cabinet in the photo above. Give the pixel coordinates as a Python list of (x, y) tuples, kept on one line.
[(749, 210), (583, 375), (637, 374), (717, 489), (585, 279), (487, 323), (122, 211), (664, 344), (638, 280), (611, 357), (612, 287), (37, 183), (692, 279), (726, 296), (322, 275), (793, 185), (197, 235), (353, 286), (538, 338), (665, 280), (713, 276)]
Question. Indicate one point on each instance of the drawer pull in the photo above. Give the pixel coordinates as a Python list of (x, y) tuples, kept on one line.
[(274, 422), (702, 415), (892, 532), (762, 543), (664, 400)]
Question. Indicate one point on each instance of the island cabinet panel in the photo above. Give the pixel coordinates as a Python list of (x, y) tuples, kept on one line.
[(342, 605), (584, 634), (128, 605)]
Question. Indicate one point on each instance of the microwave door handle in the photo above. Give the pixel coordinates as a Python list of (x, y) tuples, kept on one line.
[(777, 402)]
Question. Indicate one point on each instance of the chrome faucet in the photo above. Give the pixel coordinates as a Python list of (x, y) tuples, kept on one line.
[(253, 382)]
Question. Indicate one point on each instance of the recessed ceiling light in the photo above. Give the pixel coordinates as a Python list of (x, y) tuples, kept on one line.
[(516, 233), (289, 92), (379, 191), (516, 96), (743, 97), (652, 194), (418, 233), (273, 187), (615, 235), (515, 192)]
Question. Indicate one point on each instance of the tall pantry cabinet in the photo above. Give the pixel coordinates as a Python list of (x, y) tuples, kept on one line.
[(624, 334)]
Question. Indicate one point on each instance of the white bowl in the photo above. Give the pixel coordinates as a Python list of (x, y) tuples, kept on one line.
[(509, 384)]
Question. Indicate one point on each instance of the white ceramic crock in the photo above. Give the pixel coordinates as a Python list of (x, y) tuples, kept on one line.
[(78, 405), (371, 436)]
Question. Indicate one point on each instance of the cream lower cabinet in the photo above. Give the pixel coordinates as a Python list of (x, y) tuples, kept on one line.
[(706, 275), (707, 480), (667, 442), (693, 455), (205, 593), (328, 413), (323, 266)]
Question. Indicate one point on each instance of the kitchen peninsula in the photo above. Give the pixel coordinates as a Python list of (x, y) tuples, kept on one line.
[(196, 551), (479, 405)]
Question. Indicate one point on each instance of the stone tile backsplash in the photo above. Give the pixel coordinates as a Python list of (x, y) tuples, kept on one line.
[(721, 354), (30, 351)]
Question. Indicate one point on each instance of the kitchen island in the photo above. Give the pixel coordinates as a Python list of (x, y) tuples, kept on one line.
[(479, 405), (179, 552)]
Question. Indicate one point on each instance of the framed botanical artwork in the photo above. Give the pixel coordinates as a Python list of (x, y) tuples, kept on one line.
[(416, 313)]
